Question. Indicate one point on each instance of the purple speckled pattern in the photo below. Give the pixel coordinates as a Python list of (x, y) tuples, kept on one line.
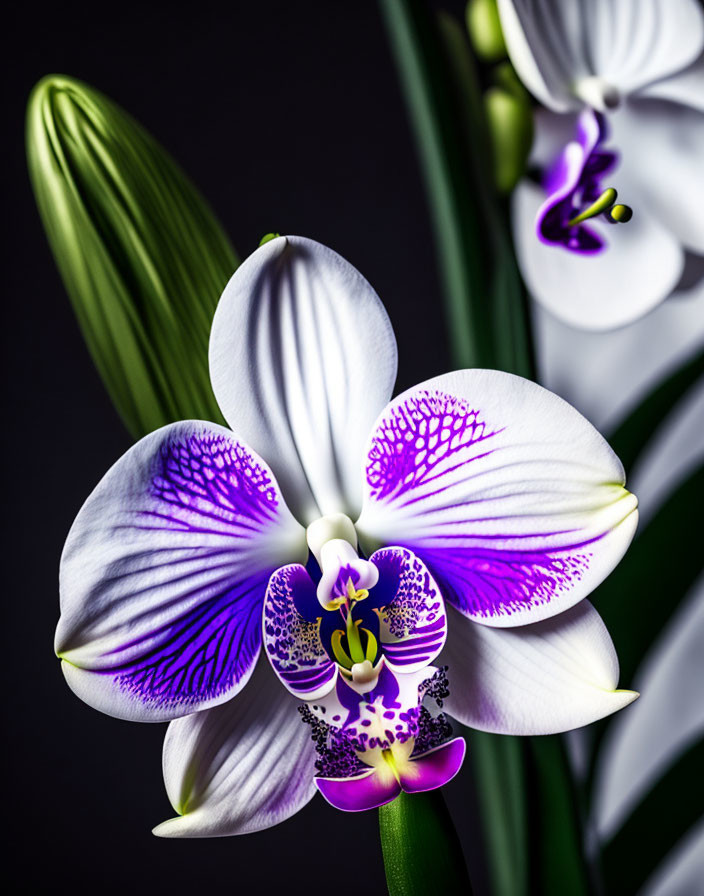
[(424, 450), (355, 731), (573, 182), (293, 644), (208, 502), (413, 619)]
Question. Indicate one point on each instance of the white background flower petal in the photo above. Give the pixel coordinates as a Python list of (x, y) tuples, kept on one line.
[(302, 359), (663, 156), (542, 38), (638, 269), (685, 87), (637, 42), (543, 678), (241, 767), (627, 43)]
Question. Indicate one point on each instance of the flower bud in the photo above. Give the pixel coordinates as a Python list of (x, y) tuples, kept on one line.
[(510, 121), (484, 27), (140, 253)]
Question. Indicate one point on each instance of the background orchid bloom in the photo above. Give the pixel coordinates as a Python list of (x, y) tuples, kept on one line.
[(639, 63), (507, 496)]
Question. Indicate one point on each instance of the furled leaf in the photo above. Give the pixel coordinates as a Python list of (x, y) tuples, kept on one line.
[(141, 255), (484, 302)]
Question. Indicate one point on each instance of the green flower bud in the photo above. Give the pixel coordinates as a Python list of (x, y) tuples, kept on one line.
[(484, 27), (511, 130), (141, 255)]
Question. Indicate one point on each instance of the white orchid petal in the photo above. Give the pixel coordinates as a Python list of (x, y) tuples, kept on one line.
[(164, 572), (667, 174), (685, 87), (511, 498), (543, 678), (638, 42), (241, 767), (599, 50), (302, 359), (639, 267), (542, 40)]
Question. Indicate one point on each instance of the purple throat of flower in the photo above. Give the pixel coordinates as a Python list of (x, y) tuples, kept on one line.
[(575, 189)]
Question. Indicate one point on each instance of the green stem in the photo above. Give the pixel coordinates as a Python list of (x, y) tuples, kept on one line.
[(559, 864), (500, 774), (422, 852), (488, 325)]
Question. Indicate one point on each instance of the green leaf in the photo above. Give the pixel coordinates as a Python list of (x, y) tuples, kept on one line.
[(422, 853), (141, 255), (665, 815), (647, 587), (485, 307), (634, 433)]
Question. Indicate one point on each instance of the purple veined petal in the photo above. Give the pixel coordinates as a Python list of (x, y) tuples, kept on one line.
[(368, 790), (544, 678), (240, 767), (512, 500), (292, 642), (164, 572), (412, 612), (434, 768), (302, 359)]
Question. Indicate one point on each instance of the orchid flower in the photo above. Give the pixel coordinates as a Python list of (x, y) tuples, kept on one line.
[(622, 83), (340, 553)]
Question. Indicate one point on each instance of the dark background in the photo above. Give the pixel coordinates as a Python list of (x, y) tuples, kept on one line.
[(288, 117)]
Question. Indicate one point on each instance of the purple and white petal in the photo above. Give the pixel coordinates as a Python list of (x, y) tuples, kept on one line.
[(512, 500), (412, 612), (434, 768), (543, 678), (240, 767), (293, 642), (164, 572), (302, 359), (368, 790)]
